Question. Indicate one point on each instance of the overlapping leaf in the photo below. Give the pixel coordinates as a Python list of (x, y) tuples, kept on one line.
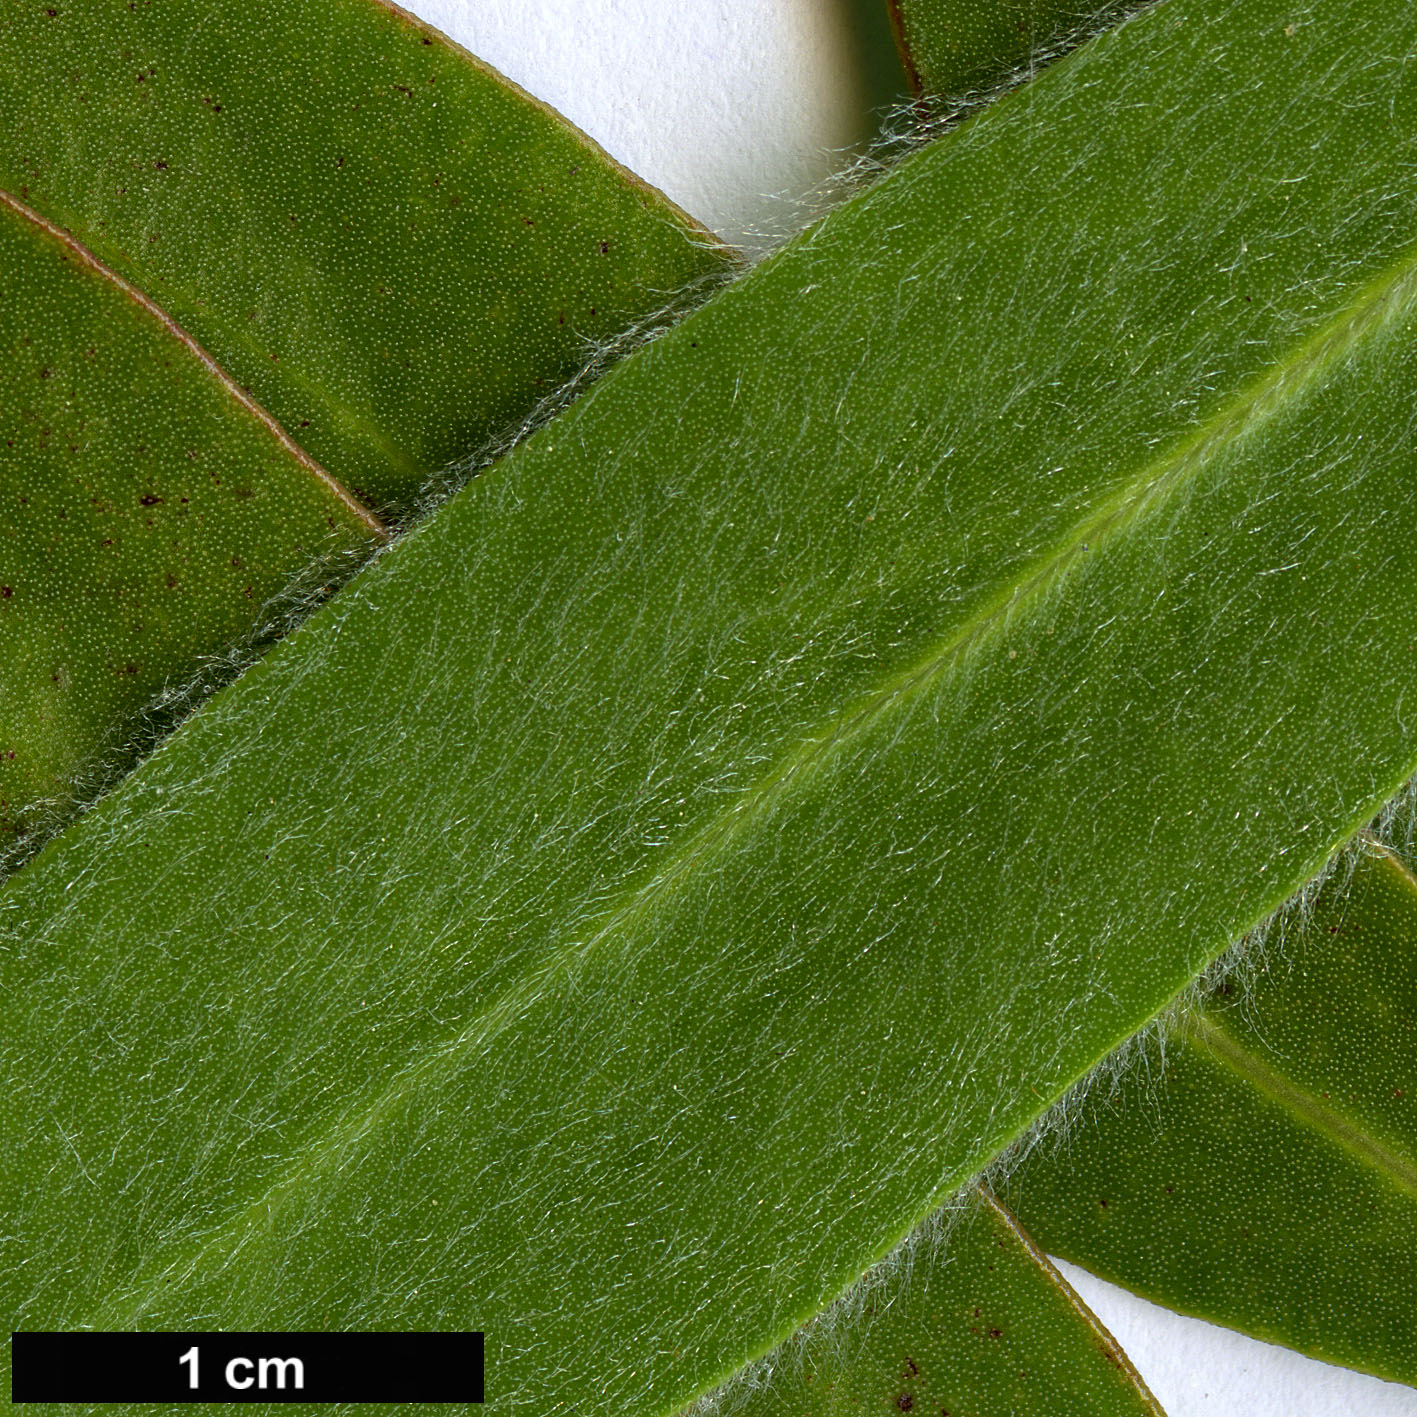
[(615, 919), (147, 512), (397, 251), (395, 248), (950, 47), (986, 1329), (1271, 1181)]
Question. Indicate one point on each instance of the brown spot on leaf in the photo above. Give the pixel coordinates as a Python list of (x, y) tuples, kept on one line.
[(906, 1401)]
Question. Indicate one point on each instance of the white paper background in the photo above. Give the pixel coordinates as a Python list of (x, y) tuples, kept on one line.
[(729, 106), (738, 109)]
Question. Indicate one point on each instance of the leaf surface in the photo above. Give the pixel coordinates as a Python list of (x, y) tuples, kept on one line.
[(396, 250), (951, 47), (147, 512), (979, 1325), (1271, 1182), (616, 918)]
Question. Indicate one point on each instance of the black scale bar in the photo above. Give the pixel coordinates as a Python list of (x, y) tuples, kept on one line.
[(246, 1367)]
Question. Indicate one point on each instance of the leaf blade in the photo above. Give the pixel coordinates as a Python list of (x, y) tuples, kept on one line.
[(1271, 1184), (954, 47), (974, 1321), (107, 599), (413, 251)]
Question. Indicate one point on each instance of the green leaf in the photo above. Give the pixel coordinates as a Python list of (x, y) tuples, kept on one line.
[(876, 53), (951, 47), (973, 1320), (398, 303), (148, 511), (1271, 1182), (617, 918), (397, 251)]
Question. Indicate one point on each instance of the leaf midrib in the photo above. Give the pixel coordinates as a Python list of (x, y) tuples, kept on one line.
[(1307, 1110), (228, 385), (1156, 482), (1303, 1106)]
